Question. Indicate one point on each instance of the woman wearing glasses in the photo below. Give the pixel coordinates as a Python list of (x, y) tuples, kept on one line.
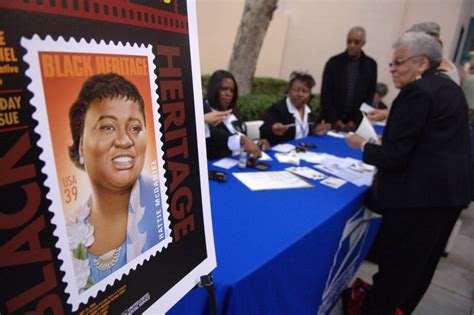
[(291, 118), (422, 182), (446, 66)]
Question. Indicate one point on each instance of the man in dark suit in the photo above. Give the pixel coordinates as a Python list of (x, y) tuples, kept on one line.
[(349, 79), (422, 181)]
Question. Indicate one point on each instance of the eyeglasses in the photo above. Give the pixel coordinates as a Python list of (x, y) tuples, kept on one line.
[(355, 41), (399, 62)]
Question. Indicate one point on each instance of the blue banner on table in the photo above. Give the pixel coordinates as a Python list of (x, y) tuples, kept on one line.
[(287, 251), (350, 253), (105, 204)]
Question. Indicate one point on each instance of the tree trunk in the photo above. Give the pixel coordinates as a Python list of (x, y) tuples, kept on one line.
[(248, 42)]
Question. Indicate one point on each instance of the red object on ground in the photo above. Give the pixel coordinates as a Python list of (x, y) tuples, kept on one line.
[(353, 298)]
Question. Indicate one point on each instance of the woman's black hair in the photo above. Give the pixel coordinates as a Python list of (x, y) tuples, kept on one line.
[(96, 88), (304, 77), (213, 86)]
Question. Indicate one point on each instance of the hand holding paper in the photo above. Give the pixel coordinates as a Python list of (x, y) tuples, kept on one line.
[(378, 115), (216, 117), (373, 114), (366, 108), (355, 141), (366, 130)]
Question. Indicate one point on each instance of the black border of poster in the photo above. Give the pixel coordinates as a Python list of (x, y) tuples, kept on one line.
[(30, 271)]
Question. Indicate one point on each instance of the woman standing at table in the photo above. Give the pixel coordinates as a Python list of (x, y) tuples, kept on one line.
[(225, 133), (422, 182), (291, 118)]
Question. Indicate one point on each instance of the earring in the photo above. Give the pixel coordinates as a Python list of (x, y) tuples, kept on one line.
[(81, 160), (418, 77)]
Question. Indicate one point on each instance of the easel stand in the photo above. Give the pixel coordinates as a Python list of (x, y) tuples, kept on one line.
[(208, 283)]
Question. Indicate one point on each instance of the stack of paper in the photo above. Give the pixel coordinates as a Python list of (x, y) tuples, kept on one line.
[(283, 148), (271, 180), (226, 163), (339, 134), (355, 177), (310, 157), (349, 169), (291, 158), (306, 172)]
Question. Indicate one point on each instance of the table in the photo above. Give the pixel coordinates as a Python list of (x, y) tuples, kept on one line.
[(284, 251)]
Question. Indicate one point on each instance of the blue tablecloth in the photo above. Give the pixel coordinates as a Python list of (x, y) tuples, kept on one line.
[(286, 251)]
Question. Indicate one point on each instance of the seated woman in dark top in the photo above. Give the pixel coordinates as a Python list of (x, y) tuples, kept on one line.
[(225, 133), (291, 117), (381, 89)]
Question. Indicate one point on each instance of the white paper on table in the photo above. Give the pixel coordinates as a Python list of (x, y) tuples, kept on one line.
[(226, 163), (271, 180), (366, 130), (346, 174), (349, 162), (265, 157), (350, 175), (311, 157), (333, 182), (365, 108), (291, 158), (363, 167), (323, 168), (353, 161), (365, 180), (322, 159), (332, 160), (339, 134), (339, 162), (328, 159), (283, 148), (306, 172)]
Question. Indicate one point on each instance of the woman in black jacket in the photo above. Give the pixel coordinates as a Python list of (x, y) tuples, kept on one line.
[(225, 133), (291, 118), (422, 181)]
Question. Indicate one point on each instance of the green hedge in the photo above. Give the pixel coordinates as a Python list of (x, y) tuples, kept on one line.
[(254, 106), (269, 86), (259, 85), (265, 92)]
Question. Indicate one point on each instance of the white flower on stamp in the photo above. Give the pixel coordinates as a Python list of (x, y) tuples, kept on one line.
[(80, 233), (82, 271), (81, 236)]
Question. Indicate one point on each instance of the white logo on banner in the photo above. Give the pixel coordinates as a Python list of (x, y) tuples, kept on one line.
[(345, 260)]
